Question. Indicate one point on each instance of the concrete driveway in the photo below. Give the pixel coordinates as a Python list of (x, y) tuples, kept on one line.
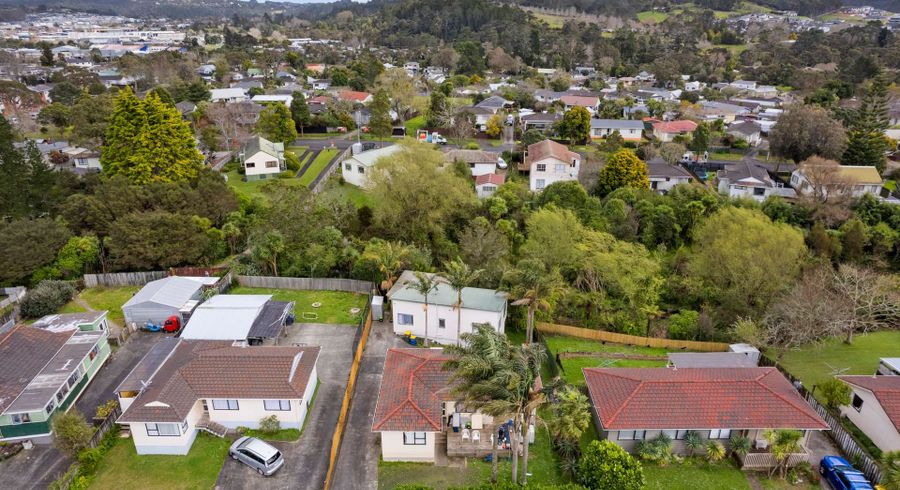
[(34, 468), (306, 461), (357, 464)]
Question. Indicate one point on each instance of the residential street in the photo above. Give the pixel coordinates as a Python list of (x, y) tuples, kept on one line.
[(306, 461)]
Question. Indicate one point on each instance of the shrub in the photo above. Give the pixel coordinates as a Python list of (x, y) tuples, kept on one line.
[(834, 393), (107, 408), (71, 433), (683, 325), (658, 450), (740, 445), (269, 425), (715, 451), (291, 161), (605, 465), (46, 298), (89, 459), (692, 441), (472, 146), (241, 430)]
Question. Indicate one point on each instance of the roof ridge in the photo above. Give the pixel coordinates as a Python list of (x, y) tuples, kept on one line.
[(409, 388), (769, 371), (627, 399)]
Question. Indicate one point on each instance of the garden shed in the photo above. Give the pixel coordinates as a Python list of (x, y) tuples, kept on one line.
[(162, 298)]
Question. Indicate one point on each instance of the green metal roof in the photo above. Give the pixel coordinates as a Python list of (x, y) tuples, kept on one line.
[(444, 295)]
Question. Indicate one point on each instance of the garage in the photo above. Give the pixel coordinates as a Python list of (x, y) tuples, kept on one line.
[(160, 299)]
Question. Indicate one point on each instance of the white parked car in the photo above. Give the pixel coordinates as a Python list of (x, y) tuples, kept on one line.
[(501, 163)]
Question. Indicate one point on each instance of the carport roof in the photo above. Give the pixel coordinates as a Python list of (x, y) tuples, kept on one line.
[(226, 317), (171, 291)]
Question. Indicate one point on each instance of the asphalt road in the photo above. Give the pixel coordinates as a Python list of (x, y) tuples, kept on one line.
[(306, 461)]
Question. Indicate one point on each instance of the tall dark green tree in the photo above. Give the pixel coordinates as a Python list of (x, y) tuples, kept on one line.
[(380, 114), (300, 111), (866, 143), (471, 58), (13, 175), (47, 55)]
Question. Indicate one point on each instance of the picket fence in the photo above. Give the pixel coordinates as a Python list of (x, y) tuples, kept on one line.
[(620, 338), (306, 283)]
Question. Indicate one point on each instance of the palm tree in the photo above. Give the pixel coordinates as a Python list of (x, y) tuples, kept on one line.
[(571, 415), (499, 379), (783, 443), (692, 441), (459, 276), (388, 258), (890, 469), (715, 451), (424, 284), (534, 287)]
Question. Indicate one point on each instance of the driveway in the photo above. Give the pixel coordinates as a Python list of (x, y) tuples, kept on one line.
[(121, 362), (357, 464), (306, 461), (34, 468)]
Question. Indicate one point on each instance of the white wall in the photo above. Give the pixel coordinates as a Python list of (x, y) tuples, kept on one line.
[(260, 159), (873, 421), (551, 175), (393, 449), (446, 335), (145, 444), (627, 134), (353, 176), (485, 191), (251, 410), (665, 185)]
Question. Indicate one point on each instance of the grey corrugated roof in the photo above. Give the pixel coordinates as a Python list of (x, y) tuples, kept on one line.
[(617, 123), (663, 169), (68, 321), (169, 291), (270, 321), (444, 295), (225, 317), (145, 369), (258, 143), (710, 360), (368, 158)]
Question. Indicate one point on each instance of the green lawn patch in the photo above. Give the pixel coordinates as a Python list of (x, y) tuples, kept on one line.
[(652, 17), (335, 306), (321, 136), (553, 21), (815, 364), (414, 125), (72, 307), (317, 166), (123, 467), (736, 157), (560, 343), (734, 49), (254, 188), (101, 299), (351, 193), (287, 435), (890, 185), (572, 373), (695, 474)]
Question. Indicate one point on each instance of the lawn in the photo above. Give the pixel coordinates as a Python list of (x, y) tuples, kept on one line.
[(124, 468), (351, 193), (289, 435), (318, 165), (571, 371), (736, 157), (815, 364), (734, 49), (652, 17), (414, 125), (101, 299), (553, 21), (253, 188), (694, 474), (335, 306), (561, 343)]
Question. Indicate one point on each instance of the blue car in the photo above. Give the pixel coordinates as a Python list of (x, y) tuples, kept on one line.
[(841, 475)]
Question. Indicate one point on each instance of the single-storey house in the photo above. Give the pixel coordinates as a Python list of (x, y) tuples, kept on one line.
[(745, 179), (186, 386), (43, 371), (160, 299), (631, 405), (542, 121), (228, 95), (589, 102), (84, 158), (355, 97), (548, 162), (712, 110), (416, 408), (663, 177), (666, 131), (493, 103), (264, 99), (358, 168), (844, 180), (875, 408), (480, 162), (63, 322), (262, 159), (747, 131), (249, 318), (486, 184), (186, 108), (631, 130), (445, 321)]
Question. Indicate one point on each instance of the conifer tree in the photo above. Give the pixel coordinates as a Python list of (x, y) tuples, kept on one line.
[(380, 119)]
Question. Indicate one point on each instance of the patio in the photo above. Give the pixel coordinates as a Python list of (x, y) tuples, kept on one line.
[(469, 435)]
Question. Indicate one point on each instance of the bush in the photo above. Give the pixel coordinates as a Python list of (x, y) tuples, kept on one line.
[(471, 146), (107, 408), (286, 175), (683, 325), (46, 298), (605, 465), (269, 425), (658, 450), (291, 161), (834, 393), (71, 433), (241, 430)]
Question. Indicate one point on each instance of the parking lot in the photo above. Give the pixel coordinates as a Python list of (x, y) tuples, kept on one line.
[(306, 461)]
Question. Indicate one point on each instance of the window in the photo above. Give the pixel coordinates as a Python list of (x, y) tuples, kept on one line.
[(74, 378), (271, 164), (348, 167), (162, 430), (277, 405), (679, 434), (720, 433), (857, 402), (20, 418), (669, 433), (489, 189), (249, 165), (50, 406), (404, 319), (540, 184), (225, 405), (559, 168), (62, 393), (759, 191), (94, 351), (360, 169), (632, 435), (442, 323), (541, 167), (414, 438)]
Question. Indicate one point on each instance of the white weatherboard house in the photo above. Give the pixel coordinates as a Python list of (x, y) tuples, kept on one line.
[(184, 386), (875, 408), (262, 159), (357, 170), (630, 130), (548, 162), (478, 306), (160, 299)]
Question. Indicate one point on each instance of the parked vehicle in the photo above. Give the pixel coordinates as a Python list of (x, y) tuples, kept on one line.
[(259, 455), (170, 325), (501, 163), (841, 475)]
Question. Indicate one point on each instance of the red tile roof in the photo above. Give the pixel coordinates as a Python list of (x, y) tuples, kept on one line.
[(495, 179), (580, 100), (549, 149), (354, 96), (885, 388), (698, 398), (677, 127), (412, 389)]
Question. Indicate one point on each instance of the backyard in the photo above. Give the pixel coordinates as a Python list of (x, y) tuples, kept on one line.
[(335, 305), (253, 188), (122, 467), (607, 355), (348, 193), (101, 299)]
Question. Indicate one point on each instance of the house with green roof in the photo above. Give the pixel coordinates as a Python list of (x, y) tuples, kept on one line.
[(444, 322), (359, 167), (262, 159)]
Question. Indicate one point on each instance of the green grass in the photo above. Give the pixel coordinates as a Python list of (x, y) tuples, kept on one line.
[(553, 21), (72, 307), (815, 364), (321, 136), (254, 188), (318, 165), (101, 299), (561, 343), (734, 49), (695, 474), (287, 435), (572, 367), (652, 17), (351, 193), (890, 185), (335, 307), (414, 125), (124, 468), (726, 156)]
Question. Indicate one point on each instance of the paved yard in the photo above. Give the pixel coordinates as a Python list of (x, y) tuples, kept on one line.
[(357, 465), (35, 468), (306, 461)]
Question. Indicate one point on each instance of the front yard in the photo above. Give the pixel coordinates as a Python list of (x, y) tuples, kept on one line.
[(695, 474), (317, 166), (122, 467), (253, 188), (335, 305), (101, 299)]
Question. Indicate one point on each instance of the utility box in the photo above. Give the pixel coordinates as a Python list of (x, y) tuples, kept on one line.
[(378, 308)]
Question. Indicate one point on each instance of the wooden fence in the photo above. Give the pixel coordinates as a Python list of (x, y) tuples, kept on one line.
[(620, 338), (322, 179), (306, 283), (846, 442), (122, 278), (765, 461)]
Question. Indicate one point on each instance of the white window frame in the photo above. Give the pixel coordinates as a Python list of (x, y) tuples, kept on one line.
[(417, 438), (405, 319), (277, 405), (541, 167), (720, 434), (348, 166), (156, 432), (540, 183), (632, 435), (559, 168), (221, 404), (20, 418), (679, 434)]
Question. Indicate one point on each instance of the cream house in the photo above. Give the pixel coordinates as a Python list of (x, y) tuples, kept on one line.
[(262, 159), (184, 386), (548, 162), (875, 408)]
